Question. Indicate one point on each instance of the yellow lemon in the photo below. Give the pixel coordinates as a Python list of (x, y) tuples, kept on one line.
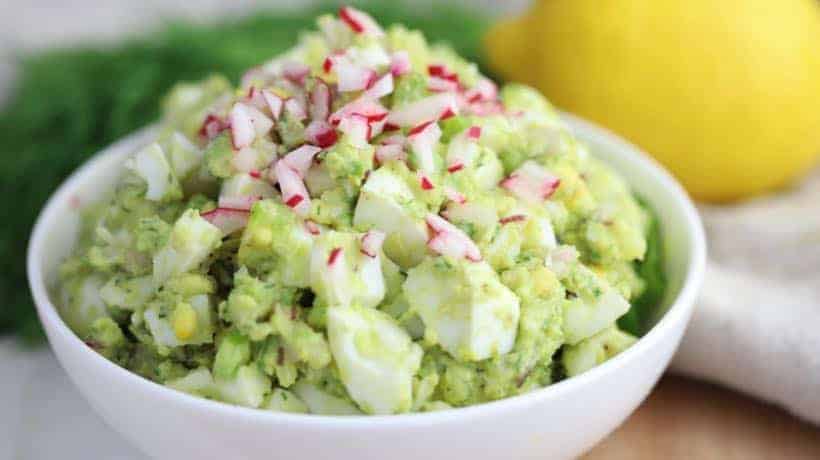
[(725, 93)]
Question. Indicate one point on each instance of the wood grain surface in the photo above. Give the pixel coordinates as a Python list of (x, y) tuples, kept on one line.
[(686, 419)]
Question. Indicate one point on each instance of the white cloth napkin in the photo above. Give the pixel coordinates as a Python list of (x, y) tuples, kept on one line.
[(756, 327)]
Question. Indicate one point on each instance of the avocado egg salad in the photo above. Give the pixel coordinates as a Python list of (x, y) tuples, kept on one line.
[(367, 225)]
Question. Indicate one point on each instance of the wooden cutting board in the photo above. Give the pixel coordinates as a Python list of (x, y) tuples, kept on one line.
[(685, 419)]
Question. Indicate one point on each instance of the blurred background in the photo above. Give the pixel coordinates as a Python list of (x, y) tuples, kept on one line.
[(724, 94)]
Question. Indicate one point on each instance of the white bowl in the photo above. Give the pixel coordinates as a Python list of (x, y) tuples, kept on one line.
[(560, 421)]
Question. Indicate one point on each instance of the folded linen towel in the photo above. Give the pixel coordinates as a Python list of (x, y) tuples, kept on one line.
[(756, 327)]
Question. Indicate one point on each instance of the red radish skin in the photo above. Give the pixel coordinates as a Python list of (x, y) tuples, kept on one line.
[(425, 182), (255, 174), (441, 71), (362, 106), (513, 218), (441, 85), (484, 90), (474, 132), (419, 128), (359, 21), (327, 66), (294, 201), (212, 126), (321, 133), (334, 256), (455, 167)]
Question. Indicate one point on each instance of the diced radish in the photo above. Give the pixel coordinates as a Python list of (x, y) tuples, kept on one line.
[(255, 98), (312, 227), (361, 106), (242, 129), (255, 173), (426, 183), (212, 126), (531, 182), (441, 71), (334, 255), (484, 90), (486, 108), (295, 107), (376, 127), (454, 195), (245, 159), (382, 87), (227, 220), (352, 77), (512, 218), (238, 202), (295, 72), (423, 141), (360, 22), (428, 108), (301, 158), (372, 242), (357, 129), (419, 128), (275, 103), (397, 139), (321, 133), (449, 240), (400, 63), (474, 132), (320, 101), (385, 153), (441, 85), (462, 150), (294, 193), (261, 123)]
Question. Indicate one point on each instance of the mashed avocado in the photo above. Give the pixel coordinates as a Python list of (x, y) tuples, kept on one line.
[(366, 225)]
